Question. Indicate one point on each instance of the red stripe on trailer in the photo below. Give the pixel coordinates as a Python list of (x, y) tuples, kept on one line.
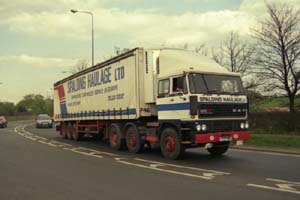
[(219, 137), (61, 92), (150, 138)]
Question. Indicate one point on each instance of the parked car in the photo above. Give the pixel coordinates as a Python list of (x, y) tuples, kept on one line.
[(3, 122), (44, 121)]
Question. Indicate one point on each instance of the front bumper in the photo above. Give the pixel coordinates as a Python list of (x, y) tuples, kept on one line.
[(43, 125), (222, 137)]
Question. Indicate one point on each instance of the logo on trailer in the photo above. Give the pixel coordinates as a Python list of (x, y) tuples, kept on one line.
[(62, 99)]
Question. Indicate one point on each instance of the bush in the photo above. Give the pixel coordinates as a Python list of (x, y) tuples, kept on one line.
[(275, 123)]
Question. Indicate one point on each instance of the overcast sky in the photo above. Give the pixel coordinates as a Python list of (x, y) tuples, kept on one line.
[(39, 39)]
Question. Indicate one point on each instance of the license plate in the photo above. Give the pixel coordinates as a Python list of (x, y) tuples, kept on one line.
[(225, 138)]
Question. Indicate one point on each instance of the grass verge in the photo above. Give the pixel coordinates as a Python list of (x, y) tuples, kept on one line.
[(20, 118), (271, 141)]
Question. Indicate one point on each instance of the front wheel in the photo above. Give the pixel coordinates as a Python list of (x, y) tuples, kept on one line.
[(218, 149), (170, 144)]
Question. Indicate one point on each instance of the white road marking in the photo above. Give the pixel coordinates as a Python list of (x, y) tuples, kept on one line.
[(273, 188), (164, 170), (282, 181), (184, 167), (282, 185), (77, 150)]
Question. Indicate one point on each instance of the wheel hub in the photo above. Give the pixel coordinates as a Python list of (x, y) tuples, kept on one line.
[(132, 139), (170, 143), (114, 138)]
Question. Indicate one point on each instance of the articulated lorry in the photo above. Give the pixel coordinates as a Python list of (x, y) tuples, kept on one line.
[(167, 98)]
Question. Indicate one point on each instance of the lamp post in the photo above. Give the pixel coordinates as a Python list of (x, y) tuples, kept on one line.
[(90, 13)]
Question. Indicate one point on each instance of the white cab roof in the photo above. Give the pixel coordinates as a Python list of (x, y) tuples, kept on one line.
[(175, 61)]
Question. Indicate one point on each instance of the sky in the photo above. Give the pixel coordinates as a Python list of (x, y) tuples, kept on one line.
[(39, 39)]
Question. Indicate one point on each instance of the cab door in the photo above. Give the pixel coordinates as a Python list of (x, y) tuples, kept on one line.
[(172, 100)]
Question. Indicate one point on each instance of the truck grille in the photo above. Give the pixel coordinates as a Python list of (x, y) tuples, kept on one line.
[(222, 110), (223, 126)]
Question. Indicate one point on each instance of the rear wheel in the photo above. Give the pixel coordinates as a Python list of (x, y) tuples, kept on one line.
[(133, 140), (64, 131), (170, 144), (76, 136), (69, 131), (115, 137), (219, 148)]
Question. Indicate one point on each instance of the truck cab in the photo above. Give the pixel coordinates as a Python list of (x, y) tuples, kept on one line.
[(200, 101)]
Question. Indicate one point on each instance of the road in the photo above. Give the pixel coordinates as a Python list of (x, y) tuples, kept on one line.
[(39, 164)]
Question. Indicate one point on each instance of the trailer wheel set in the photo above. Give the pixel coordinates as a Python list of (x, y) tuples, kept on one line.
[(134, 138)]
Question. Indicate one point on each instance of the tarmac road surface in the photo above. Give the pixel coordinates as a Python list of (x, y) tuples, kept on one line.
[(39, 164)]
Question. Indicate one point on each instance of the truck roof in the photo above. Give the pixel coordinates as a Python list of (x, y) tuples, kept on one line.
[(172, 61), (175, 61)]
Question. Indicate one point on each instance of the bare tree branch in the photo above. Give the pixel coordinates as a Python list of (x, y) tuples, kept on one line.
[(278, 49)]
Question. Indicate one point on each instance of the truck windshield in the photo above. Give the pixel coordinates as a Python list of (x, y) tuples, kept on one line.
[(215, 84)]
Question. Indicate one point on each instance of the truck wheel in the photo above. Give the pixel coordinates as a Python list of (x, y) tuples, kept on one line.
[(133, 140), (64, 131), (170, 144), (219, 148), (69, 132), (76, 136), (115, 137)]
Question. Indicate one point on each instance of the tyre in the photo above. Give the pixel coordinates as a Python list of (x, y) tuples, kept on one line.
[(170, 144), (219, 148), (69, 131), (133, 140), (64, 131), (116, 140), (76, 136)]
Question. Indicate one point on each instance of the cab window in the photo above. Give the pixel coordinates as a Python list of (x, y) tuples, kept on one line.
[(179, 85), (163, 87)]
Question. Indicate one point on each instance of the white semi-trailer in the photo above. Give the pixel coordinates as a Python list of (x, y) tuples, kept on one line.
[(170, 98)]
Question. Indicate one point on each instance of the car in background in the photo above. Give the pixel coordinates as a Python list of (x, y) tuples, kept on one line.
[(3, 122), (44, 121)]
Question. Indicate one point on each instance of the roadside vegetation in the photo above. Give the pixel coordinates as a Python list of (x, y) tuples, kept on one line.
[(272, 141), (30, 106)]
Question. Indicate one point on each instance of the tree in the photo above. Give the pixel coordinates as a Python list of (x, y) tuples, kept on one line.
[(36, 104), (234, 54), (201, 49), (7, 108), (278, 50), (119, 50), (79, 66)]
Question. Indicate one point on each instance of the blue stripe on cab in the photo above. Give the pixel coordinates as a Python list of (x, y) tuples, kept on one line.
[(170, 107)]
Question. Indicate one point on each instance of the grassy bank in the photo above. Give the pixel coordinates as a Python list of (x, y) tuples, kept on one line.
[(20, 118), (274, 141)]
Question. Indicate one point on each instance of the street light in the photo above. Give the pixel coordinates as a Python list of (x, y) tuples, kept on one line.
[(90, 13)]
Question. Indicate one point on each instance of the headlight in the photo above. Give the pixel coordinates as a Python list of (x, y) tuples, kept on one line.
[(204, 127), (242, 125), (198, 127), (246, 125)]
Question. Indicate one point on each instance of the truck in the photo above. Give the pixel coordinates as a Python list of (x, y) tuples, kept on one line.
[(166, 98)]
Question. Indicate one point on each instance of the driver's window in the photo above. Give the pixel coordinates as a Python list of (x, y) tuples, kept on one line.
[(179, 85)]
